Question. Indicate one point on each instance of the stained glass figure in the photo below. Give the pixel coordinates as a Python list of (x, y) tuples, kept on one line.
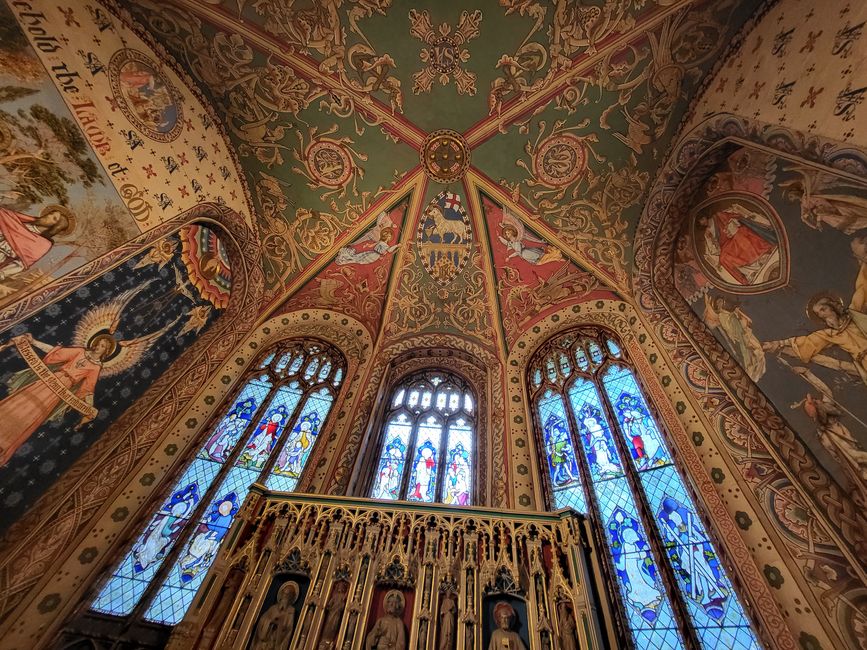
[(639, 428), (193, 520), (671, 541), (427, 441)]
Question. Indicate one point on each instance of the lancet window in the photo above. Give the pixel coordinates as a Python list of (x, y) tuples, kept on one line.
[(607, 457), (265, 434), (428, 441)]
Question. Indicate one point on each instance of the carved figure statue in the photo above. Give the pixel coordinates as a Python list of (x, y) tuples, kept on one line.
[(274, 630), (567, 627), (333, 616), (504, 638), (447, 623), (389, 632)]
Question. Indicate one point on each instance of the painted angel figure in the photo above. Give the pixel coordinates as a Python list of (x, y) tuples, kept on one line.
[(826, 201), (93, 354), (380, 235), (515, 237)]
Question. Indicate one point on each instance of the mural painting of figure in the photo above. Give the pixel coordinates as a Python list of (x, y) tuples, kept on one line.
[(25, 239), (845, 327), (826, 201), (736, 329), (66, 377), (358, 252), (741, 245), (523, 245)]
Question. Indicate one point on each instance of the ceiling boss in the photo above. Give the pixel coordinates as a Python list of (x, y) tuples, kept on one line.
[(445, 156)]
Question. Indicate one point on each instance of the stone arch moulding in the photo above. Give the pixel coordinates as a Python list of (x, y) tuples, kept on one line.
[(678, 417), (403, 355), (34, 549), (825, 545), (460, 363)]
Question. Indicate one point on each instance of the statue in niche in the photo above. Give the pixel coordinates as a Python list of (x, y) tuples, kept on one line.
[(274, 630), (389, 632), (333, 616), (568, 640), (448, 609), (504, 638)]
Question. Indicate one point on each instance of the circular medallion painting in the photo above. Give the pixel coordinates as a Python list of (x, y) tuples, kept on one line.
[(329, 163), (560, 160), (740, 243), (445, 156), (143, 94)]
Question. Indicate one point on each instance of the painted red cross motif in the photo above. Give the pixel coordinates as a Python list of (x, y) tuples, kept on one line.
[(451, 201)]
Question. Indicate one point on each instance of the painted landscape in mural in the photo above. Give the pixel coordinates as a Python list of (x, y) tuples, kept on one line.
[(773, 259), (58, 209), (69, 371)]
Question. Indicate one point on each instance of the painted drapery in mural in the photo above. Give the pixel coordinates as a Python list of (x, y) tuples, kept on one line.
[(58, 208), (773, 259), (70, 370)]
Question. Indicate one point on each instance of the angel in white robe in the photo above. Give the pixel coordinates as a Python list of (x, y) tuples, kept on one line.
[(521, 244), (380, 235)]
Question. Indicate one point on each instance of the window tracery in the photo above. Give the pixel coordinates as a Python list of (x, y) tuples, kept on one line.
[(266, 434), (607, 457), (427, 453)]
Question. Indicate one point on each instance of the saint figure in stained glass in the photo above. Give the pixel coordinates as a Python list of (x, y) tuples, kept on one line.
[(600, 454), (457, 488), (424, 474), (693, 557), (206, 540), (256, 452), (226, 434), (165, 527), (634, 565), (640, 431), (561, 455), (290, 462), (390, 467)]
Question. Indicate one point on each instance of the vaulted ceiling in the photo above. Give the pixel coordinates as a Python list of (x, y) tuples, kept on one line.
[(447, 166)]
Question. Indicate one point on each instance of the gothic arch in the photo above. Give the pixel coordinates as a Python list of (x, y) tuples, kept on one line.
[(37, 545), (770, 460)]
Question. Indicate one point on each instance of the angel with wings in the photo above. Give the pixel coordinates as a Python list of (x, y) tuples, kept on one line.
[(826, 200), (94, 354), (380, 235), (516, 239)]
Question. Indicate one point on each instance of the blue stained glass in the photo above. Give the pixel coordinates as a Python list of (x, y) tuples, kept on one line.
[(299, 443), (458, 481), (264, 436), (565, 368), (595, 435), (581, 358), (338, 377), (296, 364), (595, 352), (391, 463), (551, 370), (132, 576), (267, 360), (537, 377), (422, 483), (613, 348), (230, 429), (311, 369), (639, 428), (560, 452), (326, 368)]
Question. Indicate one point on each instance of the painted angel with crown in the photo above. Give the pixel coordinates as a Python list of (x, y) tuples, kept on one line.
[(65, 377)]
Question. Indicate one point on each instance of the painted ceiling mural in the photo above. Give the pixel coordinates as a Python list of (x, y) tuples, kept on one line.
[(746, 263), (341, 111)]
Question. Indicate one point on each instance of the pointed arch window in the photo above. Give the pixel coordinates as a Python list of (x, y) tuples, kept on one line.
[(607, 457), (428, 441), (266, 434)]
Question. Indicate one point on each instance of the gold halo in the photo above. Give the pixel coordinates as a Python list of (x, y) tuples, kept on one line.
[(829, 295), (102, 336), (70, 217), (289, 586)]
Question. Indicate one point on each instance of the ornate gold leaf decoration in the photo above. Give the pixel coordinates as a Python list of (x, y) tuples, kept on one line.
[(445, 52)]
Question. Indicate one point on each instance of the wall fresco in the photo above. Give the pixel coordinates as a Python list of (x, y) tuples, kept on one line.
[(70, 370), (58, 208), (798, 328)]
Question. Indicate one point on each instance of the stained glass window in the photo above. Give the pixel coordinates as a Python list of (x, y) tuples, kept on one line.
[(428, 441), (266, 434), (667, 572)]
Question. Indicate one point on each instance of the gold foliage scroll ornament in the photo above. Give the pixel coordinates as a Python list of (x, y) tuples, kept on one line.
[(445, 52), (574, 28), (290, 242), (328, 162)]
